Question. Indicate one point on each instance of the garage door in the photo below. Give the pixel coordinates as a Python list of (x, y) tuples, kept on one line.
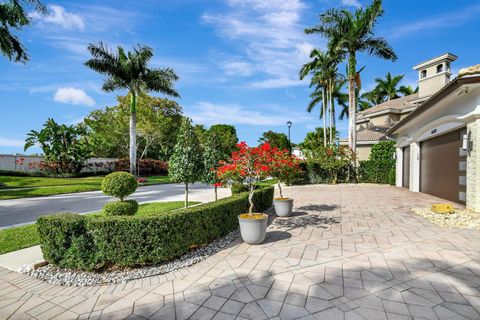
[(406, 167), (443, 167)]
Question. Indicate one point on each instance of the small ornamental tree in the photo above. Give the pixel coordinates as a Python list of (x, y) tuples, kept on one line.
[(212, 155), (284, 167), (247, 165), (186, 163)]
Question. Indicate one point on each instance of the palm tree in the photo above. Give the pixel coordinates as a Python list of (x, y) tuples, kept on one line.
[(350, 33), (363, 100), (407, 90), (14, 16), (387, 88), (129, 71), (325, 76), (321, 61)]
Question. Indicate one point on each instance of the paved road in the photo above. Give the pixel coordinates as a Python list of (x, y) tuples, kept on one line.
[(27, 210)]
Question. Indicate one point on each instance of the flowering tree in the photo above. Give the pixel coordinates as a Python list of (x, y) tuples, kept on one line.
[(247, 165), (284, 167)]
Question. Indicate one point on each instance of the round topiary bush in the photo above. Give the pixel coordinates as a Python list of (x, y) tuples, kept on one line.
[(119, 184), (121, 208)]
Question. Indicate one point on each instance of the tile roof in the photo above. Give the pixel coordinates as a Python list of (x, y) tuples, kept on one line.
[(399, 104)]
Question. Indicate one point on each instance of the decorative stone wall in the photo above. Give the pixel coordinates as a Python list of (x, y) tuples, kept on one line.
[(473, 166)]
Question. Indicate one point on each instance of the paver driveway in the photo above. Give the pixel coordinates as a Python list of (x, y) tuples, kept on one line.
[(350, 252)]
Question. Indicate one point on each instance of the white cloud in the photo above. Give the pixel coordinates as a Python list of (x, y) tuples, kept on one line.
[(351, 3), (210, 113), (276, 83), (448, 20), (7, 142), (238, 68), (73, 96), (60, 17), (269, 34)]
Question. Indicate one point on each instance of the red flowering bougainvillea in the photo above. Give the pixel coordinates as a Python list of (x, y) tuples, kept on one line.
[(284, 167), (247, 165)]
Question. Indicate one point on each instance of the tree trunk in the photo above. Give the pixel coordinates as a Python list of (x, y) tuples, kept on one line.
[(333, 114), (324, 107), (133, 134), (352, 106), (216, 194), (280, 190), (186, 195), (250, 200), (330, 93)]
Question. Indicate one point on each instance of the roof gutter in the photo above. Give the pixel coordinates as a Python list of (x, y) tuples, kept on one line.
[(445, 91)]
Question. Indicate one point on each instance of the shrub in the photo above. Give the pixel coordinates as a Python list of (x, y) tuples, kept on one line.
[(237, 188), (121, 208), (119, 184), (93, 243), (380, 167), (146, 167)]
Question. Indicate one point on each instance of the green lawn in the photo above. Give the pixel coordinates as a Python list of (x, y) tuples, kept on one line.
[(24, 187), (26, 236)]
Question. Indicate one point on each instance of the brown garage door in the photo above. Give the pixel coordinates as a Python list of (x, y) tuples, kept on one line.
[(406, 167), (442, 167)]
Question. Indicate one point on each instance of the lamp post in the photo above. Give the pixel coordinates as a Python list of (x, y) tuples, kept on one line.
[(289, 125)]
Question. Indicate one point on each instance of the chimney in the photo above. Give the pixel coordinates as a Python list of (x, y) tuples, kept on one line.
[(434, 74)]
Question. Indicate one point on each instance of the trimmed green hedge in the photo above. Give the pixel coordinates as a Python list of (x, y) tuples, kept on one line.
[(377, 171), (93, 243), (120, 208)]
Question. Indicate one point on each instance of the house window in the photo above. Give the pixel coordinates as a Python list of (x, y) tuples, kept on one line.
[(439, 68), (423, 74)]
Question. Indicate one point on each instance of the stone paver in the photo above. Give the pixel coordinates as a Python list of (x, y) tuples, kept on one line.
[(349, 252)]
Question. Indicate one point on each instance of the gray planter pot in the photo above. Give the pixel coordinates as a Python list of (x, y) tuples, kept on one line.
[(283, 208), (253, 231)]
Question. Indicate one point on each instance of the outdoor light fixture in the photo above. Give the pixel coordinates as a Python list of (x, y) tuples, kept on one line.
[(289, 125)]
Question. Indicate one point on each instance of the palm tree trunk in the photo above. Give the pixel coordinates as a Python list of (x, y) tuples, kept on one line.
[(186, 195), (352, 106), (324, 108), (133, 134), (329, 94), (333, 113)]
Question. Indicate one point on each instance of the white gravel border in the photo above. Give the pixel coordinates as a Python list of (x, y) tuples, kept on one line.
[(66, 277)]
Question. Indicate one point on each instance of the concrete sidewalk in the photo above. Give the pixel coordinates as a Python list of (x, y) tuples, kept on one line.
[(21, 258)]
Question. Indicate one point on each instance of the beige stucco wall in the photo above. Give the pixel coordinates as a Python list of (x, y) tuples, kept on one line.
[(363, 152), (473, 167)]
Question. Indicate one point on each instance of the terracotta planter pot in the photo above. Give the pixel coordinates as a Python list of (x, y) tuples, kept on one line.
[(283, 207), (253, 231)]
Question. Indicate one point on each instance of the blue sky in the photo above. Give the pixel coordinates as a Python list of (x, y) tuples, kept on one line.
[(238, 60)]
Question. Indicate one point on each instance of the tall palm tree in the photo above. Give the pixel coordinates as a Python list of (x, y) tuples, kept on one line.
[(324, 70), (130, 71), (320, 61), (363, 100), (13, 15), (388, 88), (407, 90), (350, 33)]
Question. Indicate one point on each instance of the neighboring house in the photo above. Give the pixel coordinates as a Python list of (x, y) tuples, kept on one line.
[(438, 144), (373, 123)]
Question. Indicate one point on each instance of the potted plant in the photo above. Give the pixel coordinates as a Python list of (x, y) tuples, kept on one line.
[(246, 166), (284, 167)]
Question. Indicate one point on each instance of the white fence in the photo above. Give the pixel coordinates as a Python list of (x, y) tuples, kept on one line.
[(10, 162)]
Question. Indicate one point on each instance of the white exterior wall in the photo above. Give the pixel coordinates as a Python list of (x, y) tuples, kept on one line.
[(399, 167), (415, 166), (11, 162)]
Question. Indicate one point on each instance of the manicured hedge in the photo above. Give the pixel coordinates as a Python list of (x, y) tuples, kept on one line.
[(377, 171), (93, 243)]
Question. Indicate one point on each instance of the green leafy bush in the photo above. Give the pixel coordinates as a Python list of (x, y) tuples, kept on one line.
[(121, 208), (380, 167), (98, 242), (119, 184), (237, 188)]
